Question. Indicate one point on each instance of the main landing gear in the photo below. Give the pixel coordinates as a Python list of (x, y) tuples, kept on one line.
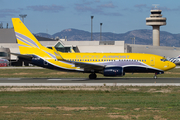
[(92, 76)]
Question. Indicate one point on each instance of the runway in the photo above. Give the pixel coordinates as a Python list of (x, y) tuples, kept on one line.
[(88, 82)]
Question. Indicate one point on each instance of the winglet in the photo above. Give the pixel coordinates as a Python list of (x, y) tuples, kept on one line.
[(72, 51), (57, 54)]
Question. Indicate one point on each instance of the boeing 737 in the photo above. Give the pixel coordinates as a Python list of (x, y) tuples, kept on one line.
[(108, 64)]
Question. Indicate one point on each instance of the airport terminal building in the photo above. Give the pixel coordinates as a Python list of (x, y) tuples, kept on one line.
[(8, 44)]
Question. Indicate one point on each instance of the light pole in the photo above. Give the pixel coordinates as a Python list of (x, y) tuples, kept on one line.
[(92, 27), (23, 16), (100, 31)]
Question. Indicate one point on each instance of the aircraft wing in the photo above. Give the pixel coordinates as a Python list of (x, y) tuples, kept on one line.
[(84, 65), (22, 56), (88, 66)]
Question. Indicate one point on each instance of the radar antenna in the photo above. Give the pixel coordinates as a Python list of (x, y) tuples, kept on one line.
[(155, 6)]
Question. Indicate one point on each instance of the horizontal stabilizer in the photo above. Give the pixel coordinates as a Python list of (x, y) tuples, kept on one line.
[(22, 56)]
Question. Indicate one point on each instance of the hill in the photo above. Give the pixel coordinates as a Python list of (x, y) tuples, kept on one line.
[(142, 36)]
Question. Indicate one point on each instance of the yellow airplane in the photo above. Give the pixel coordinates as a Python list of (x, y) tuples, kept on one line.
[(108, 64)]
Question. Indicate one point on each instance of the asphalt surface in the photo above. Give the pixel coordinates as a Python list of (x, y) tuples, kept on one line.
[(85, 81), (88, 82)]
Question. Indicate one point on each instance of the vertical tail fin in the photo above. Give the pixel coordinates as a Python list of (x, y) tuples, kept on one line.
[(24, 37)]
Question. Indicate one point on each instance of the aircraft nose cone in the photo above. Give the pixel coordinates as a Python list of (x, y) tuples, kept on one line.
[(172, 65)]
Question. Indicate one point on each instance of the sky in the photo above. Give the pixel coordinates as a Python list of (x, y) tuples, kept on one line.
[(117, 16)]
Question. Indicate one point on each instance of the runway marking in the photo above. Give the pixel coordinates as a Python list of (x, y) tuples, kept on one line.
[(54, 79), (67, 79), (13, 78)]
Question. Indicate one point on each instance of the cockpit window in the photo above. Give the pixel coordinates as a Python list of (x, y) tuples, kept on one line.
[(164, 59)]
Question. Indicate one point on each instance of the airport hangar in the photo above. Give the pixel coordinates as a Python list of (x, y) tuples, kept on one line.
[(8, 44)]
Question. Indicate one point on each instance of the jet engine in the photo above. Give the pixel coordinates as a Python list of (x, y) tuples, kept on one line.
[(113, 71)]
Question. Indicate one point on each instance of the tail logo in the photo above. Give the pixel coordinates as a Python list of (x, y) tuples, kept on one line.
[(27, 42)]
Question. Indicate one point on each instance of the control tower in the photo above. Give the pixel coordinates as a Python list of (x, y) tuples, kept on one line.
[(156, 20)]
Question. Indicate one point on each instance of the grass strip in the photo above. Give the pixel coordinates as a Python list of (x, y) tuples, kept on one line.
[(104, 103)]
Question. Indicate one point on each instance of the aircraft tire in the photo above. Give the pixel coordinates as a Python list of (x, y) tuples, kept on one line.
[(92, 76), (155, 77)]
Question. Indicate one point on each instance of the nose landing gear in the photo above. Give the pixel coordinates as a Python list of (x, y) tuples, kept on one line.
[(155, 76)]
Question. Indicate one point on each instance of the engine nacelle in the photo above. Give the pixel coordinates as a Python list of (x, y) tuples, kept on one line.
[(114, 71)]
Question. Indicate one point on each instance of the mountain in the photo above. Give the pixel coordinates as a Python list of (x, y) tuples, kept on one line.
[(74, 35), (44, 35), (142, 36)]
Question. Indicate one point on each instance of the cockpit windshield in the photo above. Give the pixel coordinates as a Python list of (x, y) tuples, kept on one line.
[(164, 59)]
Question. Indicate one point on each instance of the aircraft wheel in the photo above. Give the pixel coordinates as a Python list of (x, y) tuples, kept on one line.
[(92, 76), (155, 77)]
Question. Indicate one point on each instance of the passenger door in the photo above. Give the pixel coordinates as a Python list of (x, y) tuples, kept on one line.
[(152, 61)]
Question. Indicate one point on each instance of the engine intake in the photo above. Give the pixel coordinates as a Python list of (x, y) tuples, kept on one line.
[(114, 71)]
